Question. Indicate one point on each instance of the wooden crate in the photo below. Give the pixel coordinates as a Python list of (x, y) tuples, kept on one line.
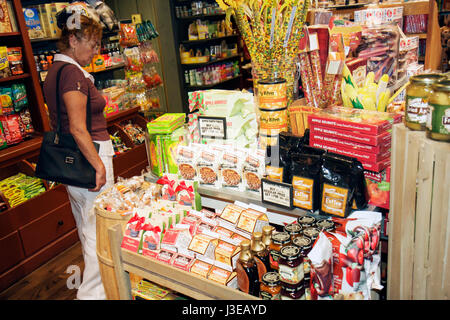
[(419, 236)]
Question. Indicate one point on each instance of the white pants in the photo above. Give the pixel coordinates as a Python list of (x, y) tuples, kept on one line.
[(82, 203)]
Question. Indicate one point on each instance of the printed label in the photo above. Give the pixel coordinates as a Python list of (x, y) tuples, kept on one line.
[(213, 128), (291, 275), (277, 193), (303, 192), (274, 173), (334, 200), (439, 119), (416, 110), (272, 96), (273, 119)]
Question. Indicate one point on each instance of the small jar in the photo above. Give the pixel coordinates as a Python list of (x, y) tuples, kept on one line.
[(279, 240), (305, 245), (291, 265), (417, 94), (325, 224), (294, 230), (270, 288), (311, 233), (438, 126), (292, 292), (306, 221)]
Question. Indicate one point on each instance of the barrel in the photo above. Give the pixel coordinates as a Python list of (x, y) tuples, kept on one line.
[(104, 220)]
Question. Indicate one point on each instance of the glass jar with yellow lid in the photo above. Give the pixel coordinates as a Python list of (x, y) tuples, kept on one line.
[(438, 125), (417, 94)]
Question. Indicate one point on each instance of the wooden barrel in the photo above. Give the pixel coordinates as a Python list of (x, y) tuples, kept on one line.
[(104, 220)]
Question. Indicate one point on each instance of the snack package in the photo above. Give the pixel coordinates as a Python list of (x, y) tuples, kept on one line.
[(186, 159), (6, 101), (169, 183), (132, 239), (15, 60), (12, 128), (378, 187), (253, 171), (5, 19), (321, 272), (19, 94), (4, 64), (3, 143), (231, 169), (208, 167)]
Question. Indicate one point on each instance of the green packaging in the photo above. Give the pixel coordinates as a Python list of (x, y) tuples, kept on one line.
[(167, 123), (156, 155), (170, 143)]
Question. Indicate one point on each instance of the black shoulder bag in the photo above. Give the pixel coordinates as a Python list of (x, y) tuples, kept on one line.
[(60, 159)]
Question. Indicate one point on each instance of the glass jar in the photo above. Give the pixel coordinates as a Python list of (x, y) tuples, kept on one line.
[(305, 245), (270, 288), (292, 292), (438, 126), (311, 233), (325, 224), (294, 230), (417, 94), (291, 265), (279, 241), (306, 221)]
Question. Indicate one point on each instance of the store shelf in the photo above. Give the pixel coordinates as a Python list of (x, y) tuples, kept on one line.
[(15, 78), (163, 274), (212, 85), (13, 154), (202, 16), (210, 62), (119, 66), (209, 39), (122, 115), (420, 35), (9, 34)]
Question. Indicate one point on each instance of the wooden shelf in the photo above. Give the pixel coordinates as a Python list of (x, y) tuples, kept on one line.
[(210, 62), (17, 152), (10, 34), (209, 39), (15, 78), (122, 115), (213, 85), (119, 66)]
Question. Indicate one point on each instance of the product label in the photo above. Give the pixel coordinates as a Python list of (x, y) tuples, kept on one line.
[(212, 128), (273, 119), (439, 119), (303, 192), (291, 275), (248, 219), (417, 110), (231, 213), (272, 96), (277, 193), (334, 200), (274, 173), (268, 296), (200, 243), (201, 268)]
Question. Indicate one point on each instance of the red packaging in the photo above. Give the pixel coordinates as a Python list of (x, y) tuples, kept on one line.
[(373, 140), (343, 143), (360, 155), (377, 167), (183, 262), (378, 187), (374, 128), (12, 128), (166, 256)]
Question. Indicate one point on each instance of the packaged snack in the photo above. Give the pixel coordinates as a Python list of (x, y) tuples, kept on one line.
[(6, 101), (151, 240), (176, 238), (19, 93), (230, 216), (227, 251), (321, 260), (3, 143), (15, 60), (231, 169), (253, 172), (183, 261), (156, 155), (33, 23), (226, 277), (201, 268), (5, 19), (169, 183), (378, 187), (132, 239), (371, 140), (208, 167), (204, 245), (186, 159), (12, 128), (4, 64), (251, 221)]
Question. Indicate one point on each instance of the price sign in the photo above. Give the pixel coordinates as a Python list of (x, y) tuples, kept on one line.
[(212, 127), (277, 193)]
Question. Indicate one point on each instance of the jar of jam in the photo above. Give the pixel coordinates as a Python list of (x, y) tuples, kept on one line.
[(279, 240), (294, 230), (270, 288), (306, 221), (305, 245), (291, 265), (311, 233), (292, 292), (325, 224)]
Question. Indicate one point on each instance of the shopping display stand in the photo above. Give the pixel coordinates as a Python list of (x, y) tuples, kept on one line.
[(163, 274), (419, 236)]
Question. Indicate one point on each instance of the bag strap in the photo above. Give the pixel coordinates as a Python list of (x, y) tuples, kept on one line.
[(58, 102)]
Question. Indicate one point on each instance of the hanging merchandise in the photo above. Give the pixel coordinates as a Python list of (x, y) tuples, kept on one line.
[(106, 15)]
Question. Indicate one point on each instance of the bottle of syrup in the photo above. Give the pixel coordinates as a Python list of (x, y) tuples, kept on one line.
[(261, 253), (247, 272)]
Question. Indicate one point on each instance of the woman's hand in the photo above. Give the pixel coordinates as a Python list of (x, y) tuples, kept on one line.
[(100, 179)]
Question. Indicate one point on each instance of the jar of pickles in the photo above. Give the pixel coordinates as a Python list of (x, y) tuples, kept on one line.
[(438, 125), (417, 94)]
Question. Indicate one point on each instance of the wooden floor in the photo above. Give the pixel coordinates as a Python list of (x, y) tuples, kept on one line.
[(48, 282)]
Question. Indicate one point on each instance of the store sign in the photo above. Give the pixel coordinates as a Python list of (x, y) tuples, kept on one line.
[(212, 127), (277, 193)]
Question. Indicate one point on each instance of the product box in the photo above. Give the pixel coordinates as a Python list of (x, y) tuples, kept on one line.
[(166, 123), (373, 140), (33, 23), (377, 167), (227, 251), (204, 245), (166, 256), (176, 238), (5, 18), (222, 276), (183, 261), (201, 268), (156, 155), (252, 220), (348, 144), (365, 157), (132, 238), (88, 68), (230, 215), (224, 232), (378, 187), (98, 63)]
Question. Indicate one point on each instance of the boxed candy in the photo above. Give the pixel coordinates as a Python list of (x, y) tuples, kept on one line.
[(183, 261), (201, 268), (204, 245), (176, 238)]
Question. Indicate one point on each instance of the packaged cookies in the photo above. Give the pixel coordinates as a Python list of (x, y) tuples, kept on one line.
[(4, 64), (253, 171), (232, 161), (207, 167), (15, 60), (186, 158)]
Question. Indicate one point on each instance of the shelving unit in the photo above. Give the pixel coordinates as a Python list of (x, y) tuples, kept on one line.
[(180, 27)]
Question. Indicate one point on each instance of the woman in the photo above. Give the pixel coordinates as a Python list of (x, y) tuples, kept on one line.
[(78, 44)]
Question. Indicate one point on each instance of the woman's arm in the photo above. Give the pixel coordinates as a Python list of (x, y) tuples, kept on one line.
[(75, 102)]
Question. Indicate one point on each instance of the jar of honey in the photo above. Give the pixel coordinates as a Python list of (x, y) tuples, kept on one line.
[(279, 240), (270, 288)]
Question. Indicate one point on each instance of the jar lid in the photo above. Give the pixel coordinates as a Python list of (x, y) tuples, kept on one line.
[(442, 86), (311, 232), (293, 228), (302, 242), (290, 252), (427, 79), (270, 81), (271, 279), (306, 220), (325, 224), (281, 238)]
